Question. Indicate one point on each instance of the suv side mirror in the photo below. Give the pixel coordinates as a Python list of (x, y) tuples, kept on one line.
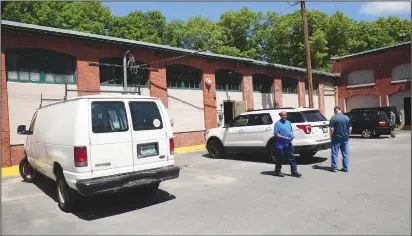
[(21, 129)]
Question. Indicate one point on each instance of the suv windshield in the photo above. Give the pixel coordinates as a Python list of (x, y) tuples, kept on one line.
[(313, 116)]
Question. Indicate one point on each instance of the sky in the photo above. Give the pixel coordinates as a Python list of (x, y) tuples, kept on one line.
[(368, 11)]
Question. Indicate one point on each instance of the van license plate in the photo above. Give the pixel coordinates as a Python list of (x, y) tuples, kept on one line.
[(325, 130), (148, 150)]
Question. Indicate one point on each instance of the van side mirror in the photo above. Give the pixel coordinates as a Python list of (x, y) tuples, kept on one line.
[(21, 129)]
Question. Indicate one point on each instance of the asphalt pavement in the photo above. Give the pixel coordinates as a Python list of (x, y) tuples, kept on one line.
[(238, 195)]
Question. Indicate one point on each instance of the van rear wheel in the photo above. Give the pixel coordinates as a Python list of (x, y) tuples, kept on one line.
[(27, 172), (66, 197)]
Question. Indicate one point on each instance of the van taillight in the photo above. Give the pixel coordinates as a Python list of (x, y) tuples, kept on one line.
[(172, 146), (382, 123), (80, 156), (306, 128)]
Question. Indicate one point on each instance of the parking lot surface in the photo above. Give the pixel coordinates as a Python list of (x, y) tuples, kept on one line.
[(238, 195)]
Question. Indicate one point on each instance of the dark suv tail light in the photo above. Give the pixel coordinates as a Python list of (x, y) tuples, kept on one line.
[(306, 128), (172, 146), (80, 156), (382, 123)]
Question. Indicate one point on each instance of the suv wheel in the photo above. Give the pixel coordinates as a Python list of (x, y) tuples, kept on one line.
[(272, 152), (215, 149), (27, 172), (367, 133), (308, 154), (66, 197)]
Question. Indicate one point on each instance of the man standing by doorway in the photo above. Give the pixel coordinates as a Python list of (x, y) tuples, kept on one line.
[(284, 136), (340, 129), (393, 123)]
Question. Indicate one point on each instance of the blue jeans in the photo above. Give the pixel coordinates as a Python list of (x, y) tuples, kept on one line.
[(280, 154), (343, 145)]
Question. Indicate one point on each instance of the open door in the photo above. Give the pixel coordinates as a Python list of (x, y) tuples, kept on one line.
[(407, 109)]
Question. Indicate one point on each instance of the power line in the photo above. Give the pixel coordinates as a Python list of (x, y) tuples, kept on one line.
[(222, 44)]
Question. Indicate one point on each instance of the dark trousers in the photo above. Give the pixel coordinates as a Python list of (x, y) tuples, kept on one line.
[(281, 153)]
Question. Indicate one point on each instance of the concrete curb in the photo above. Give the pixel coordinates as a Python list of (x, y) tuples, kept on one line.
[(14, 170)]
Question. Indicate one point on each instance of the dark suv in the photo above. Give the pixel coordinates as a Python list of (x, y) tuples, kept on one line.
[(386, 109), (370, 123)]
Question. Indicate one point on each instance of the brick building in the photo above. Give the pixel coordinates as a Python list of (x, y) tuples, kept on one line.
[(38, 61), (379, 77)]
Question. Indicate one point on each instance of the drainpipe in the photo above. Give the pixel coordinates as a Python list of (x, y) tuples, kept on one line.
[(125, 70)]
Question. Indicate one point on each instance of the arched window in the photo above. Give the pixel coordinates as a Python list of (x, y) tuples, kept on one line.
[(183, 77), (227, 80), (289, 86), (40, 66), (113, 76), (262, 83), (401, 72)]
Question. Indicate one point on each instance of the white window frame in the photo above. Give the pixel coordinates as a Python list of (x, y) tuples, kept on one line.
[(361, 78)]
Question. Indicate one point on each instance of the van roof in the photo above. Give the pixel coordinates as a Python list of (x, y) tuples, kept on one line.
[(102, 96)]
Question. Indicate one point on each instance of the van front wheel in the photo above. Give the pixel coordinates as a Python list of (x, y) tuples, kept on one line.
[(27, 172), (66, 197)]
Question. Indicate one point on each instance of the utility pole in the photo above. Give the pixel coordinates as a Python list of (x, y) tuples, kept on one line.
[(307, 50)]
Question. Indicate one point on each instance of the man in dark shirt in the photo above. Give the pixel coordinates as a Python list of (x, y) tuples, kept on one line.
[(284, 136), (340, 129)]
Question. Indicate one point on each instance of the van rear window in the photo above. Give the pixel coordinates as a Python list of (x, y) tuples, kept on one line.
[(145, 116), (108, 117), (313, 116)]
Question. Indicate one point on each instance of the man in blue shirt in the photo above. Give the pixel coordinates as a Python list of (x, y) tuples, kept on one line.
[(340, 129), (284, 136)]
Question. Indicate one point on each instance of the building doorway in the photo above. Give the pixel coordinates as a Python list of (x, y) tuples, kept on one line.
[(407, 109)]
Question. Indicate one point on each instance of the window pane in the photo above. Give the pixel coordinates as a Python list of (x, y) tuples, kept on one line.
[(109, 117), (50, 78), (295, 117), (313, 116), (145, 116)]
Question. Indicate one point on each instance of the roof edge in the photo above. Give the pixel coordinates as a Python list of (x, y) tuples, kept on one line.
[(371, 51), (52, 30)]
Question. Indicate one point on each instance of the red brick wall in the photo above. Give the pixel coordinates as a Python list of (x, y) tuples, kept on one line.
[(277, 91), (382, 63), (209, 100), (189, 138), (321, 98), (5, 132), (248, 91)]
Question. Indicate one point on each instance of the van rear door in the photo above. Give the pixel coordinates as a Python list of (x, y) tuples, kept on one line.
[(110, 138), (150, 141)]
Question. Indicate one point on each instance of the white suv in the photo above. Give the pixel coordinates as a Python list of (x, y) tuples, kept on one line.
[(252, 132)]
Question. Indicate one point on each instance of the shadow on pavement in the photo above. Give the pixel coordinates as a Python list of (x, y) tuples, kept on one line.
[(106, 205), (285, 172), (360, 137), (325, 168), (264, 159)]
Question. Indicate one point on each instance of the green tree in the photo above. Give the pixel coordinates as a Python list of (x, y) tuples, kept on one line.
[(137, 25)]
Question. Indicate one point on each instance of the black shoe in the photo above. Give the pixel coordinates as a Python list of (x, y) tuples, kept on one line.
[(279, 174), (296, 174), (344, 170)]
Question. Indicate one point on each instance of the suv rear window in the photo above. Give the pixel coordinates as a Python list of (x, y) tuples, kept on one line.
[(145, 116), (109, 117), (313, 116), (295, 117)]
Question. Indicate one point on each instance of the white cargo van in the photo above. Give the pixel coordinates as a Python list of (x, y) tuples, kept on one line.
[(99, 143)]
